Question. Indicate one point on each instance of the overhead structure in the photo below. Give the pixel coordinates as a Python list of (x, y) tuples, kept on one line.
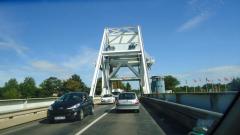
[(121, 47)]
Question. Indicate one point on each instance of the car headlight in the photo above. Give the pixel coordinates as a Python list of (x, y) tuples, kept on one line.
[(50, 108), (74, 107)]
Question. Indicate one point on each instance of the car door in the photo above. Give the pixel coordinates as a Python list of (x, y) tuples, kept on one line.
[(89, 103), (84, 104)]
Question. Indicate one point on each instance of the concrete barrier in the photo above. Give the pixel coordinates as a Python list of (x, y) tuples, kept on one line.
[(185, 115), (21, 111), (12, 105), (217, 102), (16, 118)]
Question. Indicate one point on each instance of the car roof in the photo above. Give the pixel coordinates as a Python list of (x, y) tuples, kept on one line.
[(76, 93), (128, 92)]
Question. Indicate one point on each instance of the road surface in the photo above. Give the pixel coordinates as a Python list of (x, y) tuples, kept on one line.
[(105, 121)]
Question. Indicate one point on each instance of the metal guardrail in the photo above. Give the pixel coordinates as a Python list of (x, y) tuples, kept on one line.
[(217, 102), (187, 116), (13, 105), (17, 111)]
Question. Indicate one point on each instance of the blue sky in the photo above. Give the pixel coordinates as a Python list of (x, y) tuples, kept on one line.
[(189, 39)]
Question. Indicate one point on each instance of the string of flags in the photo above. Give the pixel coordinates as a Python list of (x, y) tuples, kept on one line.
[(220, 80)]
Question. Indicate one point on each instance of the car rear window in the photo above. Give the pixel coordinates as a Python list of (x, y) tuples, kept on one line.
[(115, 93), (107, 96), (127, 96)]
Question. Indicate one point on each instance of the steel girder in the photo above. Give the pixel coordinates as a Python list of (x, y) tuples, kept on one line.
[(122, 47)]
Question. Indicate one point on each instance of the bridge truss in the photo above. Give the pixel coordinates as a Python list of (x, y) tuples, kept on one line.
[(122, 47)]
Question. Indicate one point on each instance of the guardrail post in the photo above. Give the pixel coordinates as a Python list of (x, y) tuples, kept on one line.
[(25, 103), (178, 96)]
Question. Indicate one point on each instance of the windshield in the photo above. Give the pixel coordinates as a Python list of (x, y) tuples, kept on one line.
[(71, 97), (118, 67), (107, 95), (115, 93), (127, 96)]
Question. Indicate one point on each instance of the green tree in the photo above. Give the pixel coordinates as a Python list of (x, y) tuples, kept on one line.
[(11, 93), (11, 90), (170, 82), (75, 83), (118, 85), (51, 85), (234, 85), (1, 92), (128, 87), (28, 88)]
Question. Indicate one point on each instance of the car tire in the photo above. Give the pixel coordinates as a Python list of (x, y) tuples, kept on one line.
[(80, 115), (91, 112), (51, 121)]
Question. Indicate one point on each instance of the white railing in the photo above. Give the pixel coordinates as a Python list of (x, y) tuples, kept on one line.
[(12, 105)]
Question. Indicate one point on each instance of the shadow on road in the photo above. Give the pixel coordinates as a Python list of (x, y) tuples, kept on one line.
[(170, 126), (45, 121), (122, 111)]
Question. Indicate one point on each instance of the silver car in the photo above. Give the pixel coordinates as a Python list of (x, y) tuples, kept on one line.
[(108, 98), (127, 101)]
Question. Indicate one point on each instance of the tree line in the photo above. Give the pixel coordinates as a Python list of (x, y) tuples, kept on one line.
[(172, 83), (51, 86), (115, 85)]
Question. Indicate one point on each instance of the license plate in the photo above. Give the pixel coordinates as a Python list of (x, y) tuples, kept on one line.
[(126, 102), (60, 118)]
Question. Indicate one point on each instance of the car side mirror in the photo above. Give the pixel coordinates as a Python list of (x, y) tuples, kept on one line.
[(84, 99)]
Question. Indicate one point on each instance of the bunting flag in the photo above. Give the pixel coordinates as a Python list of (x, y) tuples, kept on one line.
[(207, 80), (199, 80), (226, 79)]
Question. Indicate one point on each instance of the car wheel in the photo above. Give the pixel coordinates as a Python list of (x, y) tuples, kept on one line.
[(91, 110), (80, 115), (51, 121)]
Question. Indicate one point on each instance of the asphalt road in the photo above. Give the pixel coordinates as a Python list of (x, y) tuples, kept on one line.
[(105, 121)]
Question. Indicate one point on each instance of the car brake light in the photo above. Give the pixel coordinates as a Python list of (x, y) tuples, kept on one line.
[(137, 102)]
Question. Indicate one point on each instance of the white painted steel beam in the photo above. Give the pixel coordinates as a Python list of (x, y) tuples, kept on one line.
[(121, 47)]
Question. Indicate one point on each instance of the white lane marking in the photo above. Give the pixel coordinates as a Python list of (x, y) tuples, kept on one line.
[(89, 125)]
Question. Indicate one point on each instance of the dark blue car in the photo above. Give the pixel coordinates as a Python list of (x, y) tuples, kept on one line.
[(71, 106)]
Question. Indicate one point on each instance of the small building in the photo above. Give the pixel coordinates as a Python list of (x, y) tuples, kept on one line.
[(158, 84)]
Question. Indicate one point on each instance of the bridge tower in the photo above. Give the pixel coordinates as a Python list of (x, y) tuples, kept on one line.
[(121, 47)]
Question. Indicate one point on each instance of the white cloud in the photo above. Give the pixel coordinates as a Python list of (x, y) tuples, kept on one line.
[(43, 65), (223, 70), (201, 11), (194, 22), (8, 32), (192, 2), (12, 45), (86, 58)]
